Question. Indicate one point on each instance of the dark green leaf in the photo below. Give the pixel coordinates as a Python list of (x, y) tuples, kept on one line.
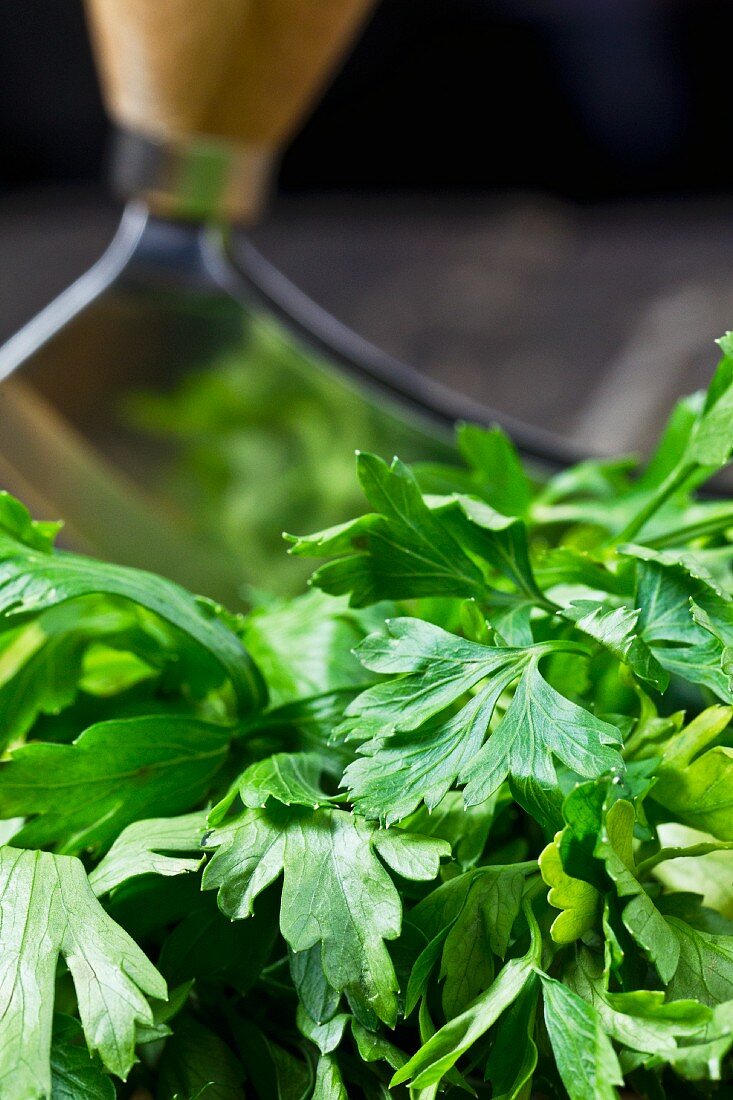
[(335, 890), (585, 1057), (198, 1065), (117, 772)]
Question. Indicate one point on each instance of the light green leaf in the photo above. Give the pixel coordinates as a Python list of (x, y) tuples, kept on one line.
[(47, 909), (700, 794), (144, 848), (583, 1052), (117, 772), (579, 901), (709, 874)]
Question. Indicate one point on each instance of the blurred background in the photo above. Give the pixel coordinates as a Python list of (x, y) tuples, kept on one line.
[(529, 199)]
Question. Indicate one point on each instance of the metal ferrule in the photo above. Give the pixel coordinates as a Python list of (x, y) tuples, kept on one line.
[(194, 179)]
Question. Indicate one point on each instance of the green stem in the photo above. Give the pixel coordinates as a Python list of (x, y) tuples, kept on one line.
[(682, 535), (671, 483), (702, 849)]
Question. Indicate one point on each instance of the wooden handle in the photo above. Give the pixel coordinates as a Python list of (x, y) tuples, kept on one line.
[(244, 70)]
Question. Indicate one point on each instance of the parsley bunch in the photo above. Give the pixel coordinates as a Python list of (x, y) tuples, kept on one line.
[(457, 821)]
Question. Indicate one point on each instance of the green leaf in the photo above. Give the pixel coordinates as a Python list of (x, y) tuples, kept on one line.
[(513, 1059), (34, 579), (435, 666), (665, 589), (117, 772), (395, 773), (75, 1074), (199, 1065), (480, 933), (490, 537), (16, 523), (327, 1035), (319, 999), (615, 628), (705, 968), (417, 545), (304, 646), (702, 446), (272, 1071), (583, 1052), (640, 915), (539, 725), (329, 1082), (401, 551), (466, 830), (207, 947), (579, 901), (47, 909), (496, 467), (289, 777), (42, 662), (441, 1052), (642, 1019), (422, 969), (144, 848), (398, 768), (335, 890), (373, 1047), (712, 440)]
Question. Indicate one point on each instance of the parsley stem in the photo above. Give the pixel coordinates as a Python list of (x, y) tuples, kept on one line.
[(702, 849), (712, 525), (671, 483)]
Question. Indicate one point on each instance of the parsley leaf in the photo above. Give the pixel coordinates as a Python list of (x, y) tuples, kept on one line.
[(47, 909), (335, 890), (83, 795)]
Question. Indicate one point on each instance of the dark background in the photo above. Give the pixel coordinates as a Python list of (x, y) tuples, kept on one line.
[(527, 199), (585, 98)]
